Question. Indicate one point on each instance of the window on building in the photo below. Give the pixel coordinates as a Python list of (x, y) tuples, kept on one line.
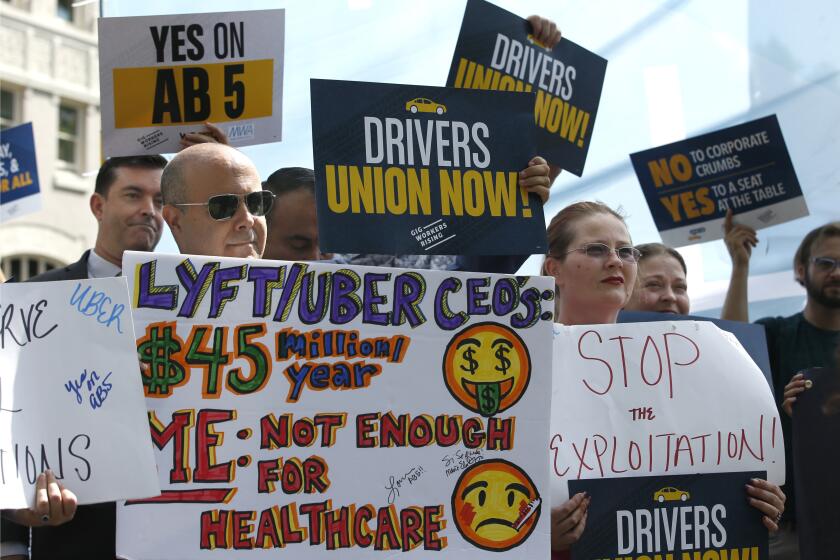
[(7, 108), (24, 267), (69, 134), (64, 10)]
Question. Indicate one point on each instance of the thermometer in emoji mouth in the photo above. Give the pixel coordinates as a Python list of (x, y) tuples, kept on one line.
[(525, 513)]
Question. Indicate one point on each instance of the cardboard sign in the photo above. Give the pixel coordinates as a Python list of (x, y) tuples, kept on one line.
[(20, 192), (816, 460), (70, 393), (675, 397), (340, 411), (751, 336), (423, 170), (164, 76), (497, 51), (689, 185), (702, 516)]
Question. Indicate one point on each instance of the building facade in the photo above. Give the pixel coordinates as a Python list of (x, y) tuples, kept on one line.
[(49, 76)]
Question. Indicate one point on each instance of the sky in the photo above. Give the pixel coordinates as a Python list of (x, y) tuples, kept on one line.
[(677, 68)]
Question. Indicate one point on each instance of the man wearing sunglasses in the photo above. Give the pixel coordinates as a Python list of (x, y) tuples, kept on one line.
[(800, 342), (214, 202)]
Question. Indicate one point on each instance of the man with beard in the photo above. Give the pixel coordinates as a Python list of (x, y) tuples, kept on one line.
[(802, 341)]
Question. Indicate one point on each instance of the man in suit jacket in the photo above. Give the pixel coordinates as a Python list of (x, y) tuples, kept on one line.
[(127, 204)]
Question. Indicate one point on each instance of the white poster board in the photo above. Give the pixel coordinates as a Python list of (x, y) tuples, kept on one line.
[(315, 410), (70, 393), (674, 397), (164, 76)]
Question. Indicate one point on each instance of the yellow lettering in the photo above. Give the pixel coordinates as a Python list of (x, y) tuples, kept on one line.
[(419, 191), (689, 206), (541, 108), (483, 77), (572, 117), (395, 191), (660, 173), (473, 193), (379, 193), (555, 113), (470, 71), (361, 191), (501, 193), (507, 83), (451, 196), (680, 167), (337, 198), (459, 76), (495, 84), (673, 206), (707, 207)]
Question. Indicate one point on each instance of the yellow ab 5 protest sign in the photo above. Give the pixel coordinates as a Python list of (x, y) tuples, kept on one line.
[(164, 76)]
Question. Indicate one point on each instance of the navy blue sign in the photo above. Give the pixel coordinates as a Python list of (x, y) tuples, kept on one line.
[(703, 515), (497, 51), (18, 172), (816, 462), (403, 169), (690, 185)]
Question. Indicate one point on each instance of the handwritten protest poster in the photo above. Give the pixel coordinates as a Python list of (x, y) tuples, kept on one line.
[(20, 192), (497, 51), (667, 398), (70, 393), (690, 185), (340, 411), (751, 336), (423, 170), (161, 77), (816, 460), (703, 516)]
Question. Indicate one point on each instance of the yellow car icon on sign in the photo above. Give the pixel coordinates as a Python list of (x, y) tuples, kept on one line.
[(423, 105), (670, 494), (534, 41)]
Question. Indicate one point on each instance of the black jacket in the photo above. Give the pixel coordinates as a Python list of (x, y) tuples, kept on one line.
[(75, 271)]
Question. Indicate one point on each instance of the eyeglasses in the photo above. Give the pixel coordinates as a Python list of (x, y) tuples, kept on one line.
[(825, 264), (601, 251), (224, 206)]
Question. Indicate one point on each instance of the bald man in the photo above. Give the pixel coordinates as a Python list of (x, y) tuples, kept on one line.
[(214, 202)]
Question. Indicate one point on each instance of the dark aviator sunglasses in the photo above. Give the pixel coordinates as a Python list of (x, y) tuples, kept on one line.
[(224, 206)]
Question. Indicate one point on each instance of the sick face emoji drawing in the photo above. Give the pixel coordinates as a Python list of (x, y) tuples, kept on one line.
[(486, 367), (496, 505)]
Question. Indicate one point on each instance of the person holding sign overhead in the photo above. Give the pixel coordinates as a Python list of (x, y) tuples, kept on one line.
[(536, 178), (802, 341), (594, 265)]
